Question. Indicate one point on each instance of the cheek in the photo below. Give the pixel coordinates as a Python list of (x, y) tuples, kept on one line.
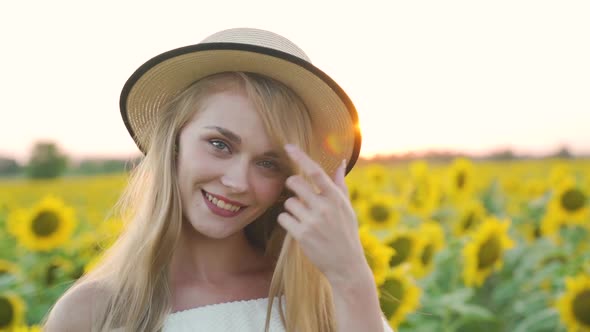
[(196, 163), (191, 173)]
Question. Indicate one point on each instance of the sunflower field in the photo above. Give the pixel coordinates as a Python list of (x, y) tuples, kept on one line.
[(460, 246)]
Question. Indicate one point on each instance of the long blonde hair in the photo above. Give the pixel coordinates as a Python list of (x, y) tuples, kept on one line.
[(134, 270)]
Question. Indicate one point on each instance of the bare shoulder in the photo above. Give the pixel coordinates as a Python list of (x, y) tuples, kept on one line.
[(73, 311)]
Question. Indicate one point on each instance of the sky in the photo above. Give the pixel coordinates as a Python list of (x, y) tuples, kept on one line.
[(471, 76)]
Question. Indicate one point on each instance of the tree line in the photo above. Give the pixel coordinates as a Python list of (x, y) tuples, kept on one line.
[(48, 161)]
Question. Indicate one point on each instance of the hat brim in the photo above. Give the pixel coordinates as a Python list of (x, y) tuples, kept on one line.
[(334, 117)]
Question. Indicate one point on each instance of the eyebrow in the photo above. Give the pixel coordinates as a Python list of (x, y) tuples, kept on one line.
[(238, 140), (227, 133)]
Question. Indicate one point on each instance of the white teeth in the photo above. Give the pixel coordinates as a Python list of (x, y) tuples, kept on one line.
[(221, 204)]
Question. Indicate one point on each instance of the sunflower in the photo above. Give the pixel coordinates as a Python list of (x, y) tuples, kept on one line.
[(574, 305), (419, 169), (559, 172), (85, 245), (571, 201), (461, 179), (531, 230), (534, 188), (379, 211), (14, 219), (405, 243), (89, 244), (377, 175), (12, 311), (46, 226), (422, 194), (511, 184), (483, 253), (471, 213), (357, 189), (398, 296), (551, 224), (376, 253), (433, 239), (58, 268)]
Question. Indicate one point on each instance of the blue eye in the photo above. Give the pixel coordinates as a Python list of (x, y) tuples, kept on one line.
[(219, 145)]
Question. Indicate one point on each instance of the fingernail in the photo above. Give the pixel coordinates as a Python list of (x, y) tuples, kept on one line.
[(289, 147)]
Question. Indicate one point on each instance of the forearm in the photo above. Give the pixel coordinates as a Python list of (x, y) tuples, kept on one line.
[(356, 303)]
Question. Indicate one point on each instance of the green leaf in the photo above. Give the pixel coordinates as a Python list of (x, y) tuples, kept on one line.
[(461, 295), (530, 304), (472, 311), (540, 320), (504, 292), (419, 322)]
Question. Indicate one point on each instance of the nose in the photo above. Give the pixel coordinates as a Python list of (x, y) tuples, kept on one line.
[(236, 177)]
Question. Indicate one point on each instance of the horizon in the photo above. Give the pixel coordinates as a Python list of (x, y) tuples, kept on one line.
[(401, 154)]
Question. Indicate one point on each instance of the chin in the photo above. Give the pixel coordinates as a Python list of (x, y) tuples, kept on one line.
[(211, 231)]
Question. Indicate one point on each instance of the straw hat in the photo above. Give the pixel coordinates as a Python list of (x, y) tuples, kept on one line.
[(334, 117)]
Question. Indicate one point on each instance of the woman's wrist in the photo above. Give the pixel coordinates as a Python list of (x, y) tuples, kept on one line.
[(358, 276)]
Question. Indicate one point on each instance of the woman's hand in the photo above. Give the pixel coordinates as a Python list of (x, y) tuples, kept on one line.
[(324, 223)]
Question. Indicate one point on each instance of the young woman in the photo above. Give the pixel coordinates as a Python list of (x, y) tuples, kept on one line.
[(238, 217)]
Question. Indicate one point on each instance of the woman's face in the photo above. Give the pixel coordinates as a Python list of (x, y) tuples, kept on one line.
[(225, 153)]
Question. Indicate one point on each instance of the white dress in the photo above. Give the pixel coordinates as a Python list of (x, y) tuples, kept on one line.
[(246, 316)]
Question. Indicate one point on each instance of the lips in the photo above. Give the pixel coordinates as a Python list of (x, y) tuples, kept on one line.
[(223, 199), (219, 211)]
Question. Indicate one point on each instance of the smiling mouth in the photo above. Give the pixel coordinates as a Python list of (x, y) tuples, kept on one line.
[(220, 206)]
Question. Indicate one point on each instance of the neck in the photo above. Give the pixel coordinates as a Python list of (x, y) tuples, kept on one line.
[(208, 260)]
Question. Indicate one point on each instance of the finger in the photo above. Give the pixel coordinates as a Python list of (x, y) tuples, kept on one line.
[(310, 168), (290, 224), (297, 209), (339, 178), (302, 189)]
